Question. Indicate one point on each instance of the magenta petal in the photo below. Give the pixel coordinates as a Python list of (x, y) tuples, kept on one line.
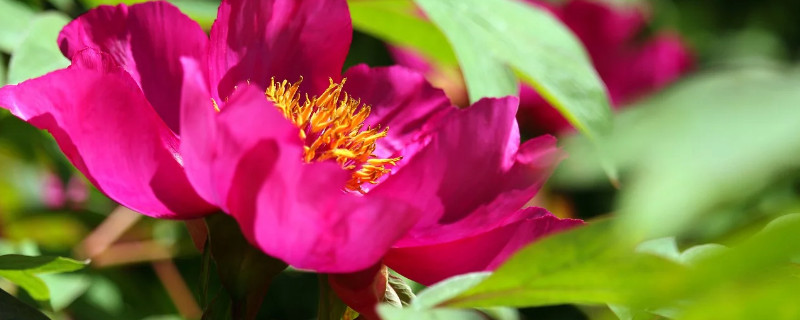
[(481, 170), (292, 210), (109, 131), (362, 290), (199, 131), (428, 264), (401, 99), (147, 40), (286, 39)]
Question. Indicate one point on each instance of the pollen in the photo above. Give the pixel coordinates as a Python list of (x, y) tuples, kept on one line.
[(332, 127)]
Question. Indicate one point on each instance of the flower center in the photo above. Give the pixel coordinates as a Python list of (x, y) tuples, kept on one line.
[(332, 127)]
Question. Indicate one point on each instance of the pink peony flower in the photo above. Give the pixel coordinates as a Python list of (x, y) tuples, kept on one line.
[(629, 67), (326, 174)]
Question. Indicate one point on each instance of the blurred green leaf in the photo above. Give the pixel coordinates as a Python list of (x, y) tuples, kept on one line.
[(578, 266), (13, 309), (23, 270), (398, 23), (20, 180), (666, 248), (696, 155), (447, 289), (28, 281), (105, 295), (202, 11), (14, 20), (63, 5), (585, 266), (58, 231), (426, 304), (66, 287), (38, 53), (3, 77), (625, 313), (753, 279), (492, 36), (693, 254), (39, 264), (713, 139), (244, 270), (501, 313), (388, 312), (771, 298)]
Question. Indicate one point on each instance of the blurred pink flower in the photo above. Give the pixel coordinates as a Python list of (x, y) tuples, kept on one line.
[(56, 195), (53, 193), (630, 68)]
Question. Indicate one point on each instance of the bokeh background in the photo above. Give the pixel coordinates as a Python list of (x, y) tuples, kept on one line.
[(716, 151)]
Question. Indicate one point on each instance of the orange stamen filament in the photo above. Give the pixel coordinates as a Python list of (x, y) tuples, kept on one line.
[(332, 126)]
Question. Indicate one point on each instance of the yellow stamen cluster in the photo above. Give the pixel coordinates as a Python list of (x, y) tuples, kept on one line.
[(332, 126)]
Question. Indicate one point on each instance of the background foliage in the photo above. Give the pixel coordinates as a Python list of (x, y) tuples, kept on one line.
[(699, 227)]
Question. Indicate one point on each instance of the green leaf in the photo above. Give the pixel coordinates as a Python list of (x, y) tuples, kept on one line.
[(244, 270), (698, 253), (14, 20), (447, 289), (204, 12), (3, 72), (625, 313), (28, 281), (13, 309), (579, 266), (398, 23), (501, 313), (751, 278), (486, 75), (705, 145), (38, 53), (772, 298), (66, 287), (666, 248), (388, 312), (492, 37), (22, 270), (105, 295), (589, 266), (39, 264)]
